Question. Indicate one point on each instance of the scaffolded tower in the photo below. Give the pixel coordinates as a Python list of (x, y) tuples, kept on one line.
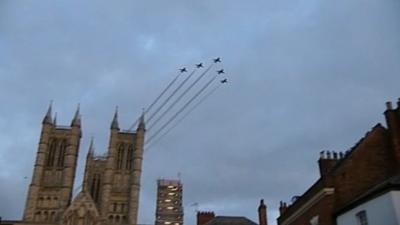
[(169, 209)]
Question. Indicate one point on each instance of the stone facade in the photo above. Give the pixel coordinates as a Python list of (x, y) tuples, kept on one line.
[(111, 184)]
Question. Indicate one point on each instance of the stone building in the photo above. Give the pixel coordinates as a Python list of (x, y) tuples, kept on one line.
[(346, 177), (169, 209), (111, 184)]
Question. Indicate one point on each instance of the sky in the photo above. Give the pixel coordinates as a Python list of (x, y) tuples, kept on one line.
[(304, 76)]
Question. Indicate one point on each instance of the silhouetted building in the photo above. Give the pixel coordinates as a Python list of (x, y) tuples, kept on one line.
[(111, 185), (350, 180), (169, 209), (209, 218)]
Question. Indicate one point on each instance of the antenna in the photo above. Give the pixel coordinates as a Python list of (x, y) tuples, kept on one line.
[(179, 176)]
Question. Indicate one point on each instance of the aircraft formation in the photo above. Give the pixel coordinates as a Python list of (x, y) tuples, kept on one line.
[(180, 98)]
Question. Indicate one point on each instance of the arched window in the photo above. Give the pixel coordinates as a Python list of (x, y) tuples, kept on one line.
[(52, 216), (98, 186), (88, 219), (111, 218), (40, 202), (52, 151), (120, 156), (95, 187), (38, 216), (61, 153), (46, 216), (129, 158), (117, 219)]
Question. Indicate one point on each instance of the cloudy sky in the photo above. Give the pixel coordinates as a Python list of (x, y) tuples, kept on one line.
[(304, 76)]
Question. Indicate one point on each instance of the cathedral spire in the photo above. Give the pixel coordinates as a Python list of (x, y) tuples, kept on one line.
[(114, 123), (141, 125), (47, 118), (91, 147), (76, 121)]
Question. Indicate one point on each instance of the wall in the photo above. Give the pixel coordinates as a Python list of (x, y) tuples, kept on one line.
[(380, 210)]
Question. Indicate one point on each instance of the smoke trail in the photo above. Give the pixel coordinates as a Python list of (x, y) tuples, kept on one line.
[(182, 108), (157, 99), (180, 97), (184, 116), (171, 95)]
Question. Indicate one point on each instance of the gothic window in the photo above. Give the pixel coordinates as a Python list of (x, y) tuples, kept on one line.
[(40, 202), (46, 216), (117, 219), (88, 219), (38, 216), (123, 207), (120, 156), (52, 216), (95, 187), (61, 153), (52, 151), (129, 158)]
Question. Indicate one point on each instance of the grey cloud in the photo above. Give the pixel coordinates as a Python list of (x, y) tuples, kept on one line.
[(304, 76)]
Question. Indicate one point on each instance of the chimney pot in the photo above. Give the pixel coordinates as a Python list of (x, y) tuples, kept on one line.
[(389, 106), (321, 155), (335, 155)]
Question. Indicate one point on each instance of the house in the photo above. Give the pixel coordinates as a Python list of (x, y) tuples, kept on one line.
[(209, 218), (352, 180)]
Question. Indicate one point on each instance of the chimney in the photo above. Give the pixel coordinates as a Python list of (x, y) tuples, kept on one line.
[(204, 217), (392, 117), (262, 213), (282, 208), (327, 161)]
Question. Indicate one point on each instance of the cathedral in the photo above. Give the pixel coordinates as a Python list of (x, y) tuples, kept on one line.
[(111, 183)]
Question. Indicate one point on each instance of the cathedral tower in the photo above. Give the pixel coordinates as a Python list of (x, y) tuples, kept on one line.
[(50, 191), (113, 180)]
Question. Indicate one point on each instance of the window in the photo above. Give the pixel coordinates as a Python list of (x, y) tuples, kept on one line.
[(314, 220), (362, 218), (129, 158), (120, 156), (52, 151), (61, 153)]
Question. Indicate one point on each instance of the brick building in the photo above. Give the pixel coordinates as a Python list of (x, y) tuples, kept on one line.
[(209, 218), (344, 177)]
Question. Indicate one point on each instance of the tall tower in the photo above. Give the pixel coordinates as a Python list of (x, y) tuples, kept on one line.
[(169, 209), (120, 179), (50, 191)]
